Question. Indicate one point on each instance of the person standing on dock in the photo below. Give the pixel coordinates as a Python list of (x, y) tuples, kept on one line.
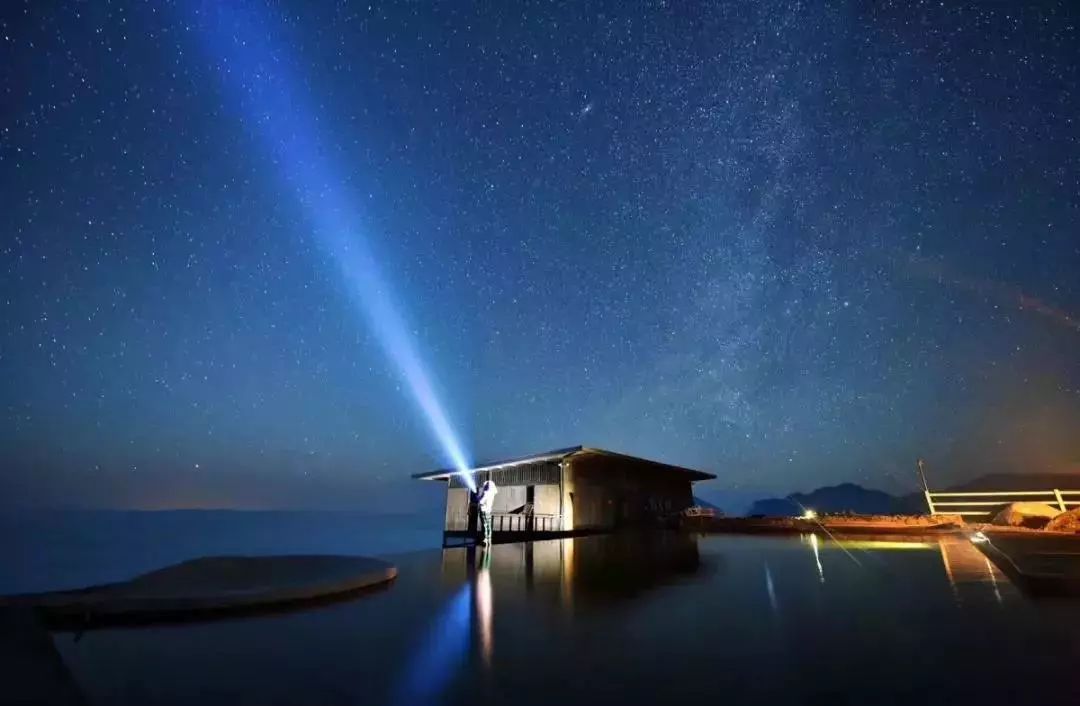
[(485, 501)]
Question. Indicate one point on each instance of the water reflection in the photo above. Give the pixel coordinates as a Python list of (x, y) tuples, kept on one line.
[(967, 570), (602, 571), (485, 606), (770, 589), (589, 572), (964, 564), (885, 544), (625, 619), (440, 654), (817, 557)]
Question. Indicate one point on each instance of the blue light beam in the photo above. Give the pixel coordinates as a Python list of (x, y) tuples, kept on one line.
[(441, 653), (254, 71)]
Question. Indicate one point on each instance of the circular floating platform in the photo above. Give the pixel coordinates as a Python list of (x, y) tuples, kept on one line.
[(211, 585)]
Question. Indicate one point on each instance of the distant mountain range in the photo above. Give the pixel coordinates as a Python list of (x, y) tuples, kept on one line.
[(846, 497), (850, 497)]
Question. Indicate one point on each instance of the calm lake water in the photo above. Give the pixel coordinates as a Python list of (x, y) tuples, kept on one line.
[(43, 551), (639, 620)]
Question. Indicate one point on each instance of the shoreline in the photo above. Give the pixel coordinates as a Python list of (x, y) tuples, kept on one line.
[(845, 524)]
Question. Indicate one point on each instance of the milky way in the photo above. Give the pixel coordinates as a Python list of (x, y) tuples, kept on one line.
[(791, 243)]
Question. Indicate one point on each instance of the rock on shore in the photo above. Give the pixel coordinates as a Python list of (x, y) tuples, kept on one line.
[(1030, 515)]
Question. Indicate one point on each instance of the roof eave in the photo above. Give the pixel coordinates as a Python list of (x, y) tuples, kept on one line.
[(443, 474), (695, 475)]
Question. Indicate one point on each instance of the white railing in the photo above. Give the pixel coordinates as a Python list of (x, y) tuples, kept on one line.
[(519, 522), (511, 522), (986, 500)]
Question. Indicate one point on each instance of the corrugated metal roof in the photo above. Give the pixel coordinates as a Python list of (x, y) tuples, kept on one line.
[(443, 474)]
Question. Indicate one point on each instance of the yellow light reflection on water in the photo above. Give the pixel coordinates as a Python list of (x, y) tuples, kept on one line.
[(965, 565), (883, 545), (817, 557), (566, 549), (485, 612)]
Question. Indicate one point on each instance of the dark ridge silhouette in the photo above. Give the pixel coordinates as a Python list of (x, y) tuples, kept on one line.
[(850, 497), (846, 497)]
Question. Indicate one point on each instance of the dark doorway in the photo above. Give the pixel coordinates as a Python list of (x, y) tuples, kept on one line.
[(530, 507), (473, 511)]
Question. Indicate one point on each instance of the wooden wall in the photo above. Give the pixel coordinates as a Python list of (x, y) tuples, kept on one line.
[(606, 492), (597, 492), (509, 498)]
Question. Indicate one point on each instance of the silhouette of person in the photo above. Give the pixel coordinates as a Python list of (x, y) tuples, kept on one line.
[(485, 501)]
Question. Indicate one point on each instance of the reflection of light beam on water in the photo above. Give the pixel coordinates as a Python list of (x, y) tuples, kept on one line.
[(811, 515), (817, 557), (949, 572), (993, 579), (441, 653), (771, 591), (485, 611), (256, 72), (965, 564)]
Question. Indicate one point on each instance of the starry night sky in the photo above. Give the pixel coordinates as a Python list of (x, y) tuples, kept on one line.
[(791, 243)]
